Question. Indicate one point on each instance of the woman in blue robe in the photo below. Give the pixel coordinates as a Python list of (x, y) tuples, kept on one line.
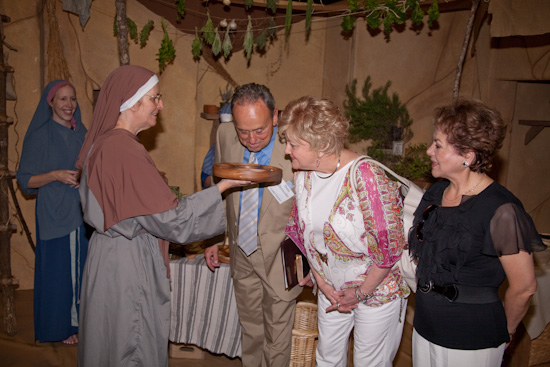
[(47, 168)]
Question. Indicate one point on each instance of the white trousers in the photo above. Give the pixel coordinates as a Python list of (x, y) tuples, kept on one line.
[(377, 334), (427, 354)]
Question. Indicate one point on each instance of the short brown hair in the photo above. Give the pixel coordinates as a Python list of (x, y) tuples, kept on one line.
[(470, 125), (317, 121)]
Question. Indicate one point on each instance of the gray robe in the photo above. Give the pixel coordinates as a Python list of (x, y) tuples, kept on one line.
[(125, 301)]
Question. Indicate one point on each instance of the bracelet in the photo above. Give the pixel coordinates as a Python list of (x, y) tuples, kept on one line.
[(367, 296), (357, 295)]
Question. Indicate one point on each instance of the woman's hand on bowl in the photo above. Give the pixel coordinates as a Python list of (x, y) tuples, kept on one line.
[(228, 184)]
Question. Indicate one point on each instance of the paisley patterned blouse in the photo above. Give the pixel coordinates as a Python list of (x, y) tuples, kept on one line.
[(364, 228)]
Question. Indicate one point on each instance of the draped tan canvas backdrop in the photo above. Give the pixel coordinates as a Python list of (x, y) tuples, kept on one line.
[(421, 66)]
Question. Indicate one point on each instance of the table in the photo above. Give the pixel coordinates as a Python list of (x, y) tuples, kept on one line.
[(203, 308)]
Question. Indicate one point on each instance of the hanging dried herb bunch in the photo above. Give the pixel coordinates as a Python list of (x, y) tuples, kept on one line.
[(167, 52)]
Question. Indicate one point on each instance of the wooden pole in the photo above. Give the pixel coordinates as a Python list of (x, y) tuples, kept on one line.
[(122, 32), (467, 36), (7, 282)]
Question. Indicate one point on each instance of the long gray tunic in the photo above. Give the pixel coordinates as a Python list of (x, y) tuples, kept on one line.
[(125, 301)]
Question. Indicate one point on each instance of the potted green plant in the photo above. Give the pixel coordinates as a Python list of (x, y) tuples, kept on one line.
[(377, 116)]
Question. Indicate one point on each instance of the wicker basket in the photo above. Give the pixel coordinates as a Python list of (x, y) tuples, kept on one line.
[(304, 335), (304, 344), (306, 316)]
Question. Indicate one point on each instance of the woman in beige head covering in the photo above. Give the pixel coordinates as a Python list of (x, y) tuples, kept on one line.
[(125, 303)]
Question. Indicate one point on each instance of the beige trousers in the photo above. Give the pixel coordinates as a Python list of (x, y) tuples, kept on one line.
[(266, 320)]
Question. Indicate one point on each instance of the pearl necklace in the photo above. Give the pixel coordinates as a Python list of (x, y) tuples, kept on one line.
[(332, 174)]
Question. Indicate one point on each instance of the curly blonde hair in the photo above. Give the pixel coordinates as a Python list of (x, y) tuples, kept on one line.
[(317, 121)]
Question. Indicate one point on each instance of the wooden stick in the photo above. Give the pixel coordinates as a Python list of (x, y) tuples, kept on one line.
[(7, 282)]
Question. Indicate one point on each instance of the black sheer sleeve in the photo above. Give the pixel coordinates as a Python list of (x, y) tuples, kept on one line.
[(512, 230)]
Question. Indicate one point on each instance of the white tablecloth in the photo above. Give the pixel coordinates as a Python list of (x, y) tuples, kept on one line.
[(203, 309)]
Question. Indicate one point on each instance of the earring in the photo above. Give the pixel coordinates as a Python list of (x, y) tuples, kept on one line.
[(465, 164), (318, 162)]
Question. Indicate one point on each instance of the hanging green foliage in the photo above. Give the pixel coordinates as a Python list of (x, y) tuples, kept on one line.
[(145, 32), (288, 18), (130, 23), (180, 5), (197, 45), (227, 46), (433, 13), (385, 13), (347, 24), (261, 40), (272, 28), (390, 12), (417, 14), (217, 44), (167, 52), (248, 40), (370, 5), (397, 11), (309, 13), (373, 20), (271, 5), (132, 29), (389, 19), (208, 31), (353, 5)]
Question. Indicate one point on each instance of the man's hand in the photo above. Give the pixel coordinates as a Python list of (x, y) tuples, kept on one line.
[(211, 256), (306, 281)]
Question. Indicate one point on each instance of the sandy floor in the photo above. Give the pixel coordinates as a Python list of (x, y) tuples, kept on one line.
[(20, 350)]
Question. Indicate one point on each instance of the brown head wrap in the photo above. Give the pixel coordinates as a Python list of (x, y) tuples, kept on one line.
[(119, 86), (120, 173)]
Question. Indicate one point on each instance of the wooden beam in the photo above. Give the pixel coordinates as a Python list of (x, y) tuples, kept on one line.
[(342, 5), (536, 127), (542, 123), (530, 135)]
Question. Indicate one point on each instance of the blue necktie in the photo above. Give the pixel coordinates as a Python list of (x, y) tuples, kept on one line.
[(248, 219)]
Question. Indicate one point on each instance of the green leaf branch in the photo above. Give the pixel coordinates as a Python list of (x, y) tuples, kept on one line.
[(377, 13), (167, 52), (133, 31)]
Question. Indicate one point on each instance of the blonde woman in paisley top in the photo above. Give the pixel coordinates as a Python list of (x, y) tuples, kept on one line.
[(351, 237)]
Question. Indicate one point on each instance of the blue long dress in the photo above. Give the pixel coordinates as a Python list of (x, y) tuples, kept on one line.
[(61, 235)]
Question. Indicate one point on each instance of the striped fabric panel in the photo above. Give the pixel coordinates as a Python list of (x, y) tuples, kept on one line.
[(203, 308)]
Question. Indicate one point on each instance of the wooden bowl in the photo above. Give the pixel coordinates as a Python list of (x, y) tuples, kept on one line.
[(247, 172)]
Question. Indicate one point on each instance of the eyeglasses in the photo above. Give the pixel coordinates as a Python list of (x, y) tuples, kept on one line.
[(420, 225), (157, 98)]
